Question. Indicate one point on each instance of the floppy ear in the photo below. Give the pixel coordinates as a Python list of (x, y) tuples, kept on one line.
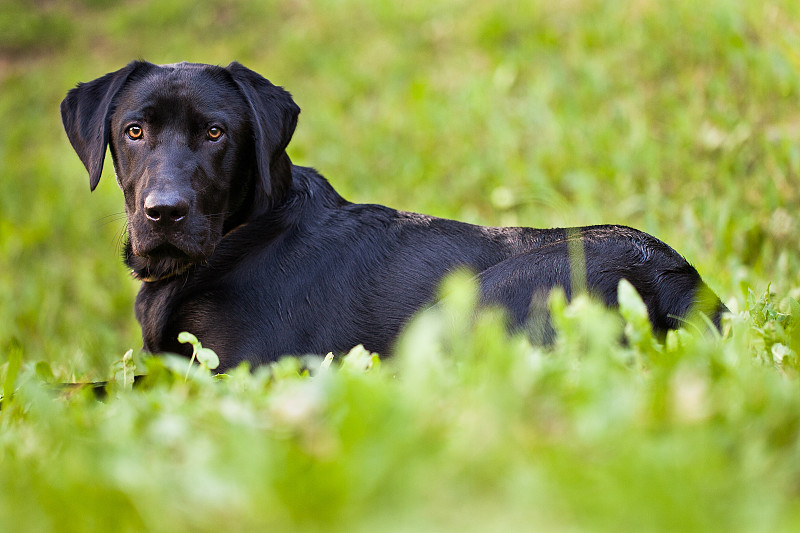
[(274, 116), (86, 114)]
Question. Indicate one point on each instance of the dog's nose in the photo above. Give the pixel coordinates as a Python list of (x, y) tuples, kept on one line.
[(165, 207)]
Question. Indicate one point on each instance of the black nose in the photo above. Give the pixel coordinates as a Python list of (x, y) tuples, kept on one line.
[(165, 207)]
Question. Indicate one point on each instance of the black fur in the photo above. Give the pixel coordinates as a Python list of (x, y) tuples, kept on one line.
[(260, 258)]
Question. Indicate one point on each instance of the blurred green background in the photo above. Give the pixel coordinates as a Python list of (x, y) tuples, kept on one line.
[(679, 118)]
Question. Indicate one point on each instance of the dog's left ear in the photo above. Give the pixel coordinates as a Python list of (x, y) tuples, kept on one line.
[(86, 114), (274, 119)]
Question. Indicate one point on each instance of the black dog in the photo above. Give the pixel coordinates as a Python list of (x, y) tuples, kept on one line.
[(260, 258)]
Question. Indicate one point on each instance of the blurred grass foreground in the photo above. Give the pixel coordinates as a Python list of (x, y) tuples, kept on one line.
[(680, 118)]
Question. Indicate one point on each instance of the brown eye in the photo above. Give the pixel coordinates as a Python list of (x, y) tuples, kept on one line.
[(214, 133), (135, 132)]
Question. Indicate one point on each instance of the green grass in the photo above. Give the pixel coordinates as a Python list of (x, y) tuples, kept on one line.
[(680, 118)]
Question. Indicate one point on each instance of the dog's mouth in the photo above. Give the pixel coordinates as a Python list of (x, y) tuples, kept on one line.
[(162, 259), (160, 253), (167, 251), (177, 247)]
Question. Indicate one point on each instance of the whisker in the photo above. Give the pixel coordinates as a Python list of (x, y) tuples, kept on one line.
[(112, 220), (121, 237), (111, 216)]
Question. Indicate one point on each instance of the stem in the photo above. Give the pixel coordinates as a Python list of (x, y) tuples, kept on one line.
[(194, 353)]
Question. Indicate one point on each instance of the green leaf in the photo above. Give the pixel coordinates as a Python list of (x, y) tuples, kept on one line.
[(326, 363), (185, 337), (125, 369), (14, 362), (631, 306), (208, 358), (359, 360), (44, 372)]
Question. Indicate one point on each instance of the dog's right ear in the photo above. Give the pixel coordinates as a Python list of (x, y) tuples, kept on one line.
[(274, 116), (86, 114)]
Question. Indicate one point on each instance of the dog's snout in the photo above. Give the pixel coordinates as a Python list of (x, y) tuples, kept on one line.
[(165, 207)]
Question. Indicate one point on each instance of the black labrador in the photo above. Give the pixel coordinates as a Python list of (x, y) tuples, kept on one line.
[(261, 258)]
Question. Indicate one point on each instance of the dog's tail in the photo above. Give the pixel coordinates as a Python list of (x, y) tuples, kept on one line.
[(708, 303)]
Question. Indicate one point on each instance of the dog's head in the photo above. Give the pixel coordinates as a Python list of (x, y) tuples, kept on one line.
[(197, 150)]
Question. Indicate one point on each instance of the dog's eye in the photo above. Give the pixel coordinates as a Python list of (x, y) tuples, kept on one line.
[(134, 132), (214, 133)]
